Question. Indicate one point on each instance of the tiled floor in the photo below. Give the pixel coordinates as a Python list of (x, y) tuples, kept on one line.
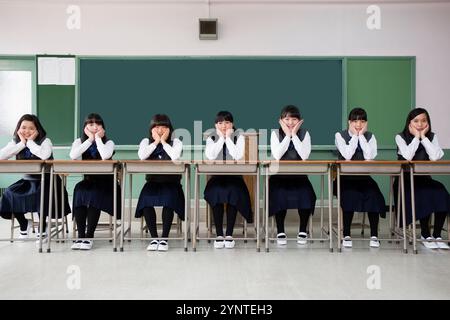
[(293, 272)]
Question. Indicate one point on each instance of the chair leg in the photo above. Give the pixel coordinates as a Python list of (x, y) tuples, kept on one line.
[(179, 230), (12, 227), (363, 223), (111, 227), (208, 221), (32, 222)]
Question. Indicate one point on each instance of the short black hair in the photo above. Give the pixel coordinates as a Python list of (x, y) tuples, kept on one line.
[(224, 116), (290, 111), (357, 114), (160, 120)]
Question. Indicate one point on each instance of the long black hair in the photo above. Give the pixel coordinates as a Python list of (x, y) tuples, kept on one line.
[(93, 118), (411, 115), (32, 118), (160, 120)]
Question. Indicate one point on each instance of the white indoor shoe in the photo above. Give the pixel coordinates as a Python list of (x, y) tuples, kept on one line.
[(229, 242), (281, 239), (153, 245), (163, 245), (301, 238), (441, 244), (347, 242), (374, 243), (429, 244), (86, 245), (76, 245), (219, 243)]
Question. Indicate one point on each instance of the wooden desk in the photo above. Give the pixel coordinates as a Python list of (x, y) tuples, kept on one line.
[(27, 167), (218, 167), (301, 167), (131, 167), (103, 167), (372, 167), (421, 168)]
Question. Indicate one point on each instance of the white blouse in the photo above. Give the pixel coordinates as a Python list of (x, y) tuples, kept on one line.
[(42, 151), (213, 149), (146, 149), (369, 148), (106, 150), (432, 148), (278, 148)]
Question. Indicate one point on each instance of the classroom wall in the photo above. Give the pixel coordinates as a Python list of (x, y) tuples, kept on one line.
[(150, 27)]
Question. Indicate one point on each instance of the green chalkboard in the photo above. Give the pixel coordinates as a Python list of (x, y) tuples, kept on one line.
[(127, 92), (56, 105), (385, 88)]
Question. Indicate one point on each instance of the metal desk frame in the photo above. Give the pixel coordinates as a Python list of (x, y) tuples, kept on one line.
[(372, 167), (131, 167), (218, 167), (306, 167), (100, 167), (27, 167), (421, 168)]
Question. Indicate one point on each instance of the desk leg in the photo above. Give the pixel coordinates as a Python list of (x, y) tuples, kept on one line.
[(321, 205), (63, 214), (391, 193), (403, 204), (187, 204), (258, 244), (122, 195), (266, 209), (49, 213), (130, 206), (196, 209), (339, 213), (115, 210), (413, 209), (41, 207), (330, 209)]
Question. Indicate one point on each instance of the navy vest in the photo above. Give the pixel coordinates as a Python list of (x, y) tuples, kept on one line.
[(92, 154), (291, 153), (26, 154), (160, 154), (421, 153), (359, 155)]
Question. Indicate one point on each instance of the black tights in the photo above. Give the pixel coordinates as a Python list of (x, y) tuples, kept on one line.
[(23, 222), (374, 218), (281, 216), (218, 211), (439, 219), (92, 215), (150, 220)]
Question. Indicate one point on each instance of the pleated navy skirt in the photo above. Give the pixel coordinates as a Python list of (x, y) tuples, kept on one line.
[(430, 196), (290, 192), (231, 190), (97, 191), (156, 194), (361, 194), (25, 196)]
